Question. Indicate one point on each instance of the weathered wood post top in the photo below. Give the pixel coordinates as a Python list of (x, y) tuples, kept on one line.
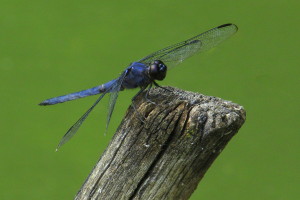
[(166, 155)]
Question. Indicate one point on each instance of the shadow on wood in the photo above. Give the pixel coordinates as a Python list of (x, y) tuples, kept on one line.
[(166, 156)]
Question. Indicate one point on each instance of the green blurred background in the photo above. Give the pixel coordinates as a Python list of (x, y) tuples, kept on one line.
[(50, 48)]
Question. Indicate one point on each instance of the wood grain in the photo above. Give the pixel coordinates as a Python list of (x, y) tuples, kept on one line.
[(166, 155)]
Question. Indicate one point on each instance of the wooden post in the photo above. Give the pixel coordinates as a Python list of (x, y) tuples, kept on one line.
[(166, 156)]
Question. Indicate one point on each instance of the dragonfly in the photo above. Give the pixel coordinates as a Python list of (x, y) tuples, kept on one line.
[(144, 73)]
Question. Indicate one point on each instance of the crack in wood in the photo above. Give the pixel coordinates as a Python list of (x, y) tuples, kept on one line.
[(153, 165)]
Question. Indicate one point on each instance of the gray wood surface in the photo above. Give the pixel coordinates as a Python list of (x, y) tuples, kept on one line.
[(166, 156)]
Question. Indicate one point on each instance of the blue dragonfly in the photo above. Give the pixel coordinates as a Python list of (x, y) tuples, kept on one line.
[(145, 72)]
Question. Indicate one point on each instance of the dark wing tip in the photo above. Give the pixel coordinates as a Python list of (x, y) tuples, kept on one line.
[(224, 25), (229, 24)]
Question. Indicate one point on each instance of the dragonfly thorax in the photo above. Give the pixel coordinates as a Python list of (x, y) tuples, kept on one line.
[(158, 70)]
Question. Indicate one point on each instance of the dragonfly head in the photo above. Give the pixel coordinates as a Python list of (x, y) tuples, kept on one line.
[(158, 70)]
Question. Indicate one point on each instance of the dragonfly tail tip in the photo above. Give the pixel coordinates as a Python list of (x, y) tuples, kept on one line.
[(43, 103)]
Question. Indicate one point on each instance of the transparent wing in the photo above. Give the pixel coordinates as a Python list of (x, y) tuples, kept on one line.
[(114, 91), (177, 53), (71, 132)]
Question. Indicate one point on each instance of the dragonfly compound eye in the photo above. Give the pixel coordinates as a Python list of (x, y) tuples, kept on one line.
[(158, 70)]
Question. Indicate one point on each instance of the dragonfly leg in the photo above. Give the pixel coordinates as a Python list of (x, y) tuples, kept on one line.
[(139, 92), (140, 116), (147, 94), (157, 85)]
